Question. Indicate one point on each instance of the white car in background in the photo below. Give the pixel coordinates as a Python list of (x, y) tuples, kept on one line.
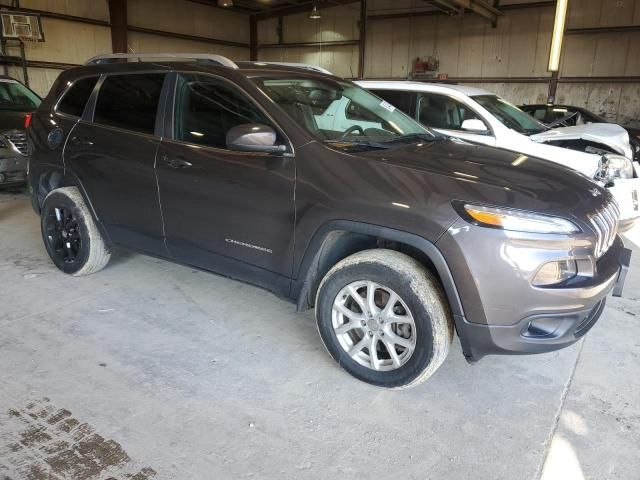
[(600, 151)]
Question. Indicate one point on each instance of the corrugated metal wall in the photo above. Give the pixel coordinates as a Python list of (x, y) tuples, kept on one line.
[(338, 24), (190, 18), (65, 42), (468, 47), (603, 54), (72, 42)]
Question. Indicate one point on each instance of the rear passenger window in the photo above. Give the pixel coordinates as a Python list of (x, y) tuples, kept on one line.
[(75, 99), (207, 108), (401, 100), (129, 101)]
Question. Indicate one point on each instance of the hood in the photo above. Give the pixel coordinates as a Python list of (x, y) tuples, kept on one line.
[(477, 173), (10, 120), (613, 136)]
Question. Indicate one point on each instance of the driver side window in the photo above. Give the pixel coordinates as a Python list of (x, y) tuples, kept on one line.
[(207, 108), (440, 111)]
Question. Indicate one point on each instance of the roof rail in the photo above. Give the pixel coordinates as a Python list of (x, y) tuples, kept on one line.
[(304, 66), (141, 57)]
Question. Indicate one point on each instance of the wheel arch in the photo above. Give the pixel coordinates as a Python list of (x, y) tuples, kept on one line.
[(42, 181), (49, 179), (338, 239)]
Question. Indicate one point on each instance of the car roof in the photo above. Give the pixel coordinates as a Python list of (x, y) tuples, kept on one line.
[(408, 86), (245, 68)]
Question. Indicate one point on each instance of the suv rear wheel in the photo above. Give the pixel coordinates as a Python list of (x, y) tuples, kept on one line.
[(384, 318), (70, 235)]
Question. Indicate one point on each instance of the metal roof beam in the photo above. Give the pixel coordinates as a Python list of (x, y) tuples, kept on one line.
[(300, 8), (477, 6)]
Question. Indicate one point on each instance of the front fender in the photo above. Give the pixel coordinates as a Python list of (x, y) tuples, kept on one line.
[(311, 272)]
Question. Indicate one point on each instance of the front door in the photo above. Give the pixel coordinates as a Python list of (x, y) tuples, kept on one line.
[(227, 211)]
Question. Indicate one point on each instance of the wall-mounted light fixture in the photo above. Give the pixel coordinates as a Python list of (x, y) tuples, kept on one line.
[(315, 13), (558, 35), (225, 3)]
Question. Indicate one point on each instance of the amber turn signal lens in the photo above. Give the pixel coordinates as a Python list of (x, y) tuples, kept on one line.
[(518, 220)]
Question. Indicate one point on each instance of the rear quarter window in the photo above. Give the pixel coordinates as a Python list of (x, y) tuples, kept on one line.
[(76, 97), (129, 101)]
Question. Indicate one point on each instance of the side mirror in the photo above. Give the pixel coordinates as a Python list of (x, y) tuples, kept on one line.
[(474, 125), (253, 137)]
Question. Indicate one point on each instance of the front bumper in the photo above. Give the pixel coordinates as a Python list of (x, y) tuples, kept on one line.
[(13, 170), (503, 312), (542, 332)]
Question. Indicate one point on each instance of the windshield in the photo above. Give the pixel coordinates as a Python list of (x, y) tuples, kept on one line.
[(16, 97), (510, 115), (342, 113)]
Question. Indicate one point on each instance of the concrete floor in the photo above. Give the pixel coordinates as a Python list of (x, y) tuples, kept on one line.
[(154, 370)]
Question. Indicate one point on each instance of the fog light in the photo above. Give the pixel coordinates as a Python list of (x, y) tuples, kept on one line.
[(552, 273)]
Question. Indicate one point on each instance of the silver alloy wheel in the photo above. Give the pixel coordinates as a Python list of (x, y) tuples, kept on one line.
[(373, 325)]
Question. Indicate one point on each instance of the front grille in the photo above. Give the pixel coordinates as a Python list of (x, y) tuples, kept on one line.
[(605, 223), (18, 140)]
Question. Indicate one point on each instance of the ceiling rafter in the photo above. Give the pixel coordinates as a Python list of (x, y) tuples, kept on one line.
[(480, 7), (264, 9), (300, 7)]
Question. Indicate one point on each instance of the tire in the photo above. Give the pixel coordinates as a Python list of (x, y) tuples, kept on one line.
[(417, 327), (70, 235)]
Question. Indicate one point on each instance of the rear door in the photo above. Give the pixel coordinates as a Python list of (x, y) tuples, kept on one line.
[(227, 211), (112, 151), (49, 130)]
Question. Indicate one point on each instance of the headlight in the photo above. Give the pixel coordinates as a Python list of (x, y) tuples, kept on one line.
[(516, 220), (614, 166)]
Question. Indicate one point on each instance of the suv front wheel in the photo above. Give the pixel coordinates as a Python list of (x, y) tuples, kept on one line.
[(70, 235), (384, 318)]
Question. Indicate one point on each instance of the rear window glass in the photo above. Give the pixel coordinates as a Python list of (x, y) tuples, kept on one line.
[(129, 101), (77, 96)]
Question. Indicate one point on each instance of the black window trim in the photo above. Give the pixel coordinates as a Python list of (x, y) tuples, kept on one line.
[(490, 132), (170, 112), (90, 108), (69, 86)]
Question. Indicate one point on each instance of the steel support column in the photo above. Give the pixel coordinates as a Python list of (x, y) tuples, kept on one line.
[(118, 20), (362, 41)]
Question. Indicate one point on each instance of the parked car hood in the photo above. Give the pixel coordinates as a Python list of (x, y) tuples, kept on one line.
[(499, 177), (609, 134), (11, 120)]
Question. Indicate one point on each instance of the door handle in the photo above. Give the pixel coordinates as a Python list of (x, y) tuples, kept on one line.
[(81, 141), (179, 163)]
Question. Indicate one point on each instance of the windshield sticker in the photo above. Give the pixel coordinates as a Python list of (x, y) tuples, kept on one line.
[(386, 105)]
